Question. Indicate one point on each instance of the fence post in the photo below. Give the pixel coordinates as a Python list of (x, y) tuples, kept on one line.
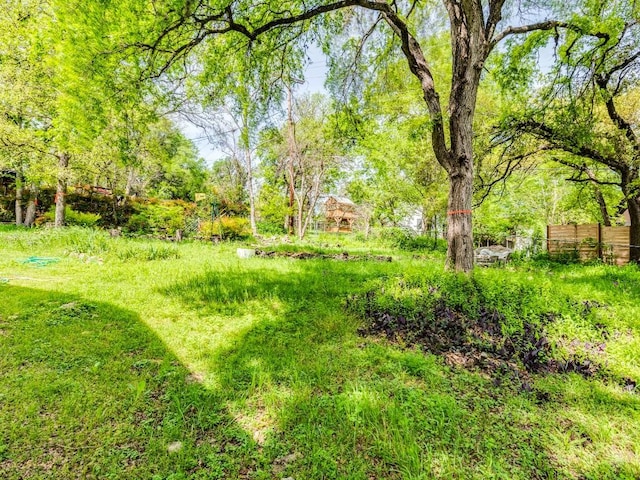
[(548, 241), (599, 240)]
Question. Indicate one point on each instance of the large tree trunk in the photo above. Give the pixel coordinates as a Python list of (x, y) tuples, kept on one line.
[(470, 50), (61, 189), (634, 230), (19, 193), (459, 223), (470, 44)]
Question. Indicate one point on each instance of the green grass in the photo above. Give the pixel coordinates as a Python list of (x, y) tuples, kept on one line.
[(123, 348)]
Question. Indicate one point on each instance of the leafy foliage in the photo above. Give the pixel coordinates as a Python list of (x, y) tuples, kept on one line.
[(226, 228), (72, 217), (158, 217)]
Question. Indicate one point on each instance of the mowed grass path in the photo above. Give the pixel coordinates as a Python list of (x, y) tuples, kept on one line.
[(207, 366)]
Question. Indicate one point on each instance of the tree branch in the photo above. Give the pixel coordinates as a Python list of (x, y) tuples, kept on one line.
[(617, 119), (546, 25), (495, 15), (559, 142), (224, 22)]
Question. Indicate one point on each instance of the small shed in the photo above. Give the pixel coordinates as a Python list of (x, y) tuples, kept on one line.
[(340, 213)]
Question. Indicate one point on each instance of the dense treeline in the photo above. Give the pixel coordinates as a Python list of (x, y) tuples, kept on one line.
[(94, 101)]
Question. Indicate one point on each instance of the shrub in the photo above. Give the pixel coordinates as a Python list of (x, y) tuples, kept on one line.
[(271, 228), (72, 218), (158, 217), (228, 228), (406, 240)]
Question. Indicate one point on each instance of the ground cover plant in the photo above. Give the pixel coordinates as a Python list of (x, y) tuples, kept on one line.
[(143, 359)]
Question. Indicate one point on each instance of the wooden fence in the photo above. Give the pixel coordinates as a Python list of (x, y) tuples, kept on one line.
[(588, 242)]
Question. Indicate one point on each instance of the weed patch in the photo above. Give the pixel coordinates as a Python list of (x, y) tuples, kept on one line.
[(147, 252), (305, 255), (481, 332)]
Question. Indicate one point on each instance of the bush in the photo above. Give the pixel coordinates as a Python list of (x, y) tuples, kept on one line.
[(158, 217), (271, 228), (406, 240), (72, 218), (227, 228)]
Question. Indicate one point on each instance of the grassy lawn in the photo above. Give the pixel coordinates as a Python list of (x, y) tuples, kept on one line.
[(140, 359)]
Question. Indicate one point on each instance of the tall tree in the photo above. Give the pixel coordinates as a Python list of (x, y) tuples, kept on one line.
[(271, 28), (587, 116), (307, 153), (25, 97)]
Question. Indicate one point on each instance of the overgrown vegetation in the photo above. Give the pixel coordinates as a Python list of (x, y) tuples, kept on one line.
[(508, 328), (229, 228), (72, 218), (204, 365)]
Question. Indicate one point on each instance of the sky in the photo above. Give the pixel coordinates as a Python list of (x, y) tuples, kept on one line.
[(315, 75)]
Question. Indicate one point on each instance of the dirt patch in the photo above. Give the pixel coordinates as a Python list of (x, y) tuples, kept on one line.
[(479, 343), (344, 256), (280, 464)]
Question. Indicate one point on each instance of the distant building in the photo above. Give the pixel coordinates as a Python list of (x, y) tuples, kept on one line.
[(336, 214), (627, 218), (91, 189)]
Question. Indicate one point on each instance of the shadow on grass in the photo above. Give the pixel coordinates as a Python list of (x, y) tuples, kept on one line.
[(341, 406), (88, 391), (234, 292)]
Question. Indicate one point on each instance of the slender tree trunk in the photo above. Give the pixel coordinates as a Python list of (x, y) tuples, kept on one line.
[(252, 199), (19, 193), (61, 189), (313, 195), (290, 222), (602, 205), (291, 141), (128, 188), (300, 222)]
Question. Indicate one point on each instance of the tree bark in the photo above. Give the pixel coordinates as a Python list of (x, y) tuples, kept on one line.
[(19, 193), (602, 205), (30, 216), (459, 224), (61, 189)]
